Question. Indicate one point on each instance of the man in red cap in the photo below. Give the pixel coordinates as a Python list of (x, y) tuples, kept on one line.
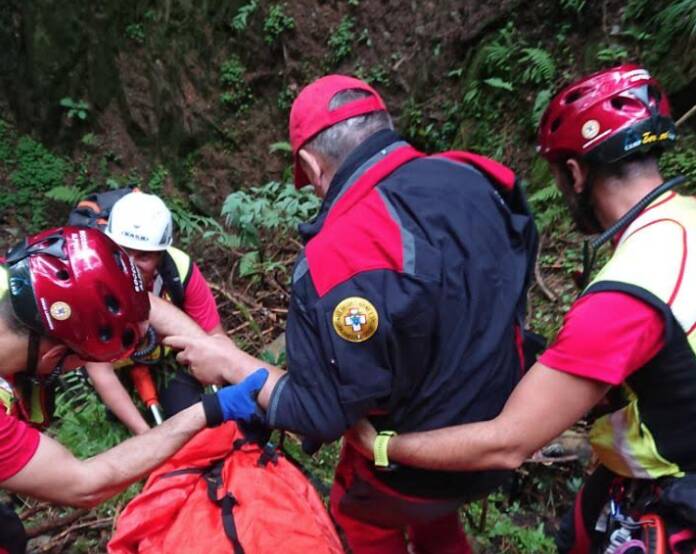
[(633, 328), (406, 307)]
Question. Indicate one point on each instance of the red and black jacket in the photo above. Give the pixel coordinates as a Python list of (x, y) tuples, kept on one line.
[(444, 254)]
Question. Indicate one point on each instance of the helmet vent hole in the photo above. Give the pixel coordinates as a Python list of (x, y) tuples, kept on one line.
[(112, 304), (654, 93), (105, 334), (63, 275), (118, 258), (555, 124), (573, 96), (128, 338), (618, 103)]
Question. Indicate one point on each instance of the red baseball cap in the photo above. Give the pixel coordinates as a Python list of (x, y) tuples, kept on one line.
[(310, 113)]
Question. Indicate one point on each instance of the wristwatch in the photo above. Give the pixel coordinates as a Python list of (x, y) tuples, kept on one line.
[(380, 449)]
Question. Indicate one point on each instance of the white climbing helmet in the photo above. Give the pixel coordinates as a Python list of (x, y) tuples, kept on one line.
[(140, 221)]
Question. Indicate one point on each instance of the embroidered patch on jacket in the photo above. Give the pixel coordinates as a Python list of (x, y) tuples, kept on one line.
[(355, 319)]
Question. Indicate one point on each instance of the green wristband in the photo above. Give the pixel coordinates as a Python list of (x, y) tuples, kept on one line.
[(379, 448)]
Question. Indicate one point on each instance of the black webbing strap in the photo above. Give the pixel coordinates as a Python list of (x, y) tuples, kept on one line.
[(171, 279), (183, 471), (269, 453), (238, 444), (227, 503), (32, 353), (590, 247)]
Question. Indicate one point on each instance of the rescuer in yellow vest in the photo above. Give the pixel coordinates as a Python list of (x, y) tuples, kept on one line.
[(633, 328), (142, 225)]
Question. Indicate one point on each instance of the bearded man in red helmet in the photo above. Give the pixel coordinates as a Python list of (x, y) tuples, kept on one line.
[(632, 328), (68, 295)]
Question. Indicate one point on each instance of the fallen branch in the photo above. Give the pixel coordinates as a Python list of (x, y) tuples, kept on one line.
[(686, 116), (238, 328), (276, 285), (550, 294), (33, 510), (235, 298), (55, 523), (102, 523)]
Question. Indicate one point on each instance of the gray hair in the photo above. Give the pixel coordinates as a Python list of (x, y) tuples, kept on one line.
[(338, 141)]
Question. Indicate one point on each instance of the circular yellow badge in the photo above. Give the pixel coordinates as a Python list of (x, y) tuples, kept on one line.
[(355, 319), (60, 311), (590, 129)]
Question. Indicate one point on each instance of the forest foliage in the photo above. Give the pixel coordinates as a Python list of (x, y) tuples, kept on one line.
[(487, 95)]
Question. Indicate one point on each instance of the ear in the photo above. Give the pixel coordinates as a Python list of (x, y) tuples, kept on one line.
[(51, 356), (310, 165), (578, 172)]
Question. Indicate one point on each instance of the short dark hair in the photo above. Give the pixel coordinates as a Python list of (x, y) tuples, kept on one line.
[(631, 166), (338, 141)]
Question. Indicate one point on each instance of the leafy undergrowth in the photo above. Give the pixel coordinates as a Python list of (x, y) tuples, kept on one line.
[(488, 98), (248, 260)]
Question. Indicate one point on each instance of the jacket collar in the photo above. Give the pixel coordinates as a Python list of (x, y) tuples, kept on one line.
[(358, 161)]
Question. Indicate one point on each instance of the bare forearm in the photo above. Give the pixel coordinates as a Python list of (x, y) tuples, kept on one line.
[(217, 360), (169, 320), (127, 462), (544, 404), (54, 474), (116, 397), (471, 447)]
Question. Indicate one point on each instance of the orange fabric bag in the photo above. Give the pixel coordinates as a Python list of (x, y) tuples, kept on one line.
[(221, 493)]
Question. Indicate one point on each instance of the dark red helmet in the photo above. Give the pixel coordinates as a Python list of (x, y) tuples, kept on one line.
[(606, 117), (77, 286)]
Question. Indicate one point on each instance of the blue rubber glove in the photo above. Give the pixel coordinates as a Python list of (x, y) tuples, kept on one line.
[(235, 402)]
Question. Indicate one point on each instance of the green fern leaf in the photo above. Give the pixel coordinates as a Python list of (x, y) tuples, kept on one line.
[(679, 16), (248, 263), (498, 83), (282, 146), (67, 194), (540, 103), (540, 65)]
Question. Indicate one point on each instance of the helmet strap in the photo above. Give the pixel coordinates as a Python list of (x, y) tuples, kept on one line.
[(580, 205), (586, 218), (33, 353), (33, 362), (149, 344), (591, 247), (56, 372)]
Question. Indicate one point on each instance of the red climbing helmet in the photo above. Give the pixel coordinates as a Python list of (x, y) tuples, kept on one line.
[(76, 285), (607, 116)]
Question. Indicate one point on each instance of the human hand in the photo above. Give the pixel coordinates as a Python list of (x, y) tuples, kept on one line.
[(235, 402), (208, 357), (362, 437)]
